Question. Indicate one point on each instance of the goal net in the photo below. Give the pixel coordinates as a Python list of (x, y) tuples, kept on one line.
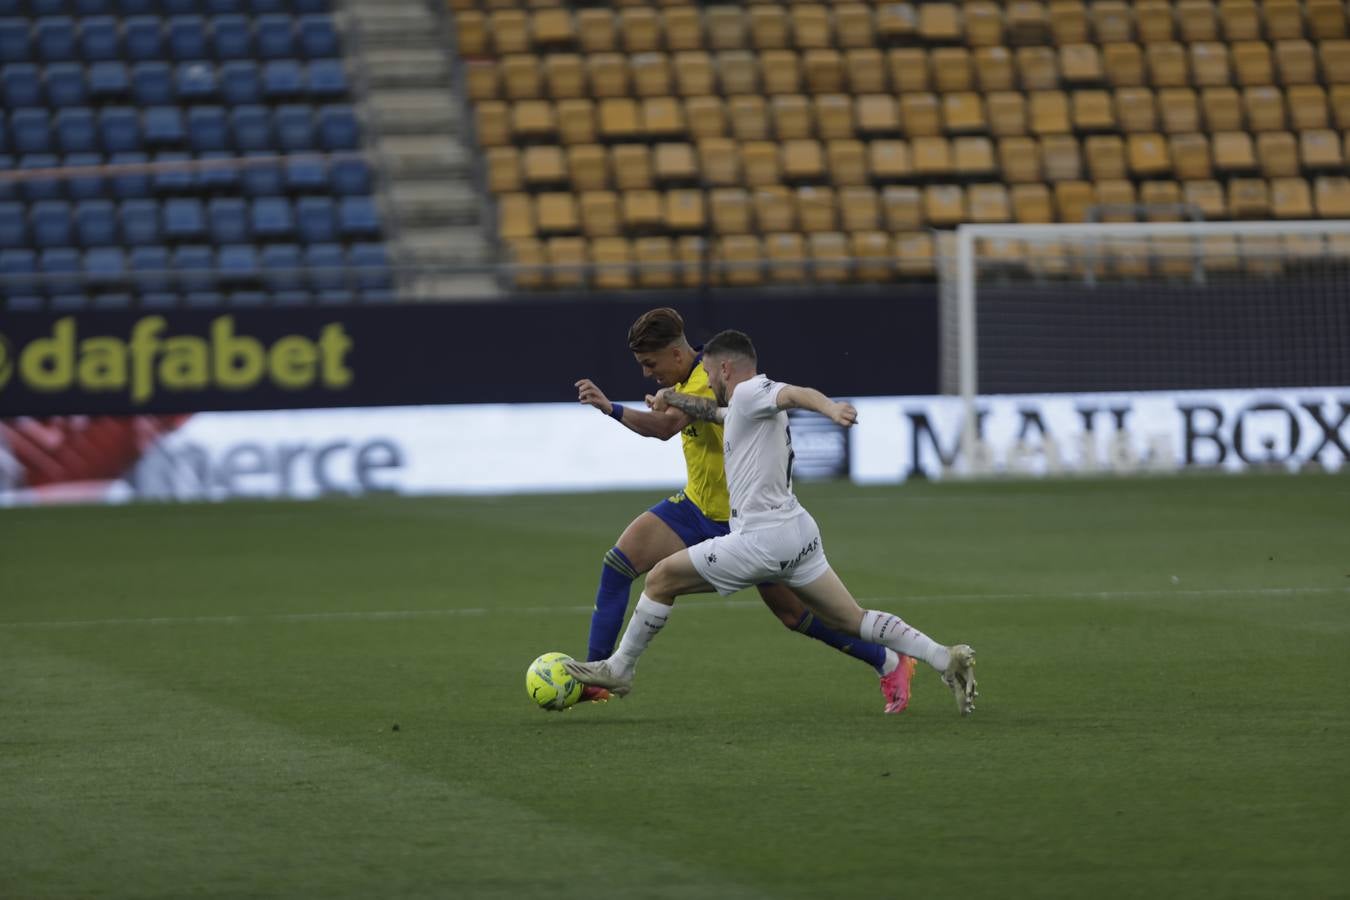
[(1142, 307)]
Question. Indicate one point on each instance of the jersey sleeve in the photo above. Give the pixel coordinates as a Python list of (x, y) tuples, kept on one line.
[(761, 402)]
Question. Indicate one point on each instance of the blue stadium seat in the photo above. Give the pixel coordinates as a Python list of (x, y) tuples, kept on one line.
[(115, 299), (75, 130), (61, 265), (338, 129), (275, 36), (20, 85), (178, 7), (85, 187), (228, 217), (133, 183), (294, 128), (120, 129), (47, 7), (143, 37), (350, 176), (208, 129), (358, 218), (281, 267), (103, 267), (224, 7), (240, 83), (30, 131), (108, 81), (247, 298), (96, 223), (164, 126), (260, 7), (136, 7), (8, 189), (50, 223), (187, 38), (159, 300), (326, 79), (55, 39), (13, 226), (261, 179), (290, 298), (232, 37), (99, 39), (238, 262), (41, 188), (195, 83), (140, 222), (14, 40), (17, 270), (370, 261), (102, 8), (318, 37), (282, 80), (326, 266), (300, 7), (151, 267), (252, 128), (272, 219), (314, 220), (152, 83), (204, 299), (306, 174), (66, 85), (218, 178), (174, 179), (195, 266)]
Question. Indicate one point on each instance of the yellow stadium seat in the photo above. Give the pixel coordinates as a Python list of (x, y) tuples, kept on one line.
[(515, 216), (749, 116), (1073, 199), (719, 161), (1190, 156), (1331, 195), (919, 115), (510, 31), (1112, 21), (684, 210), (651, 74), (1123, 65), (1049, 112), (1135, 109), (1060, 158), (567, 261), (1007, 113), (951, 69), (864, 70), (674, 163), (740, 260), (1326, 19), (705, 116), (726, 27), (1206, 196), (1252, 63), (810, 26), (1339, 96), (1335, 56), (829, 257), (503, 170), (1019, 159), (994, 69), (526, 256), (737, 72), (576, 121), (565, 74), (973, 157), (1223, 109), (482, 80), (694, 73), (817, 209), (774, 209), (988, 203), (902, 208), (1093, 111), (1105, 157), (618, 119), (608, 74), (1154, 22), (1240, 20), (1031, 204), (1115, 200), (631, 165), (471, 34), (1180, 110), (1036, 68), (1080, 64), (1069, 22), (552, 29), (1233, 152), (779, 72), (556, 213), (940, 23), (890, 160), (786, 256), (859, 209), (683, 27), (824, 71), (944, 205), (642, 211), (544, 167), (1209, 64), (872, 254), (914, 254), (729, 210), (1307, 107), (588, 167), (1167, 65), (793, 117), (639, 29), (896, 23), (1026, 23), (492, 121), (769, 28), (932, 157), (963, 113), (600, 213), (983, 24), (908, 67), (663, 117), (1277, 153), (534, 120), (759, 163), (1196, 21), (853, 25), (847, 162), (595, 30), (1290, 198), (1264, 109), (833, 115), (1248, 198), (1320, 150), (612, 263), (803, 161), (1295, 62)]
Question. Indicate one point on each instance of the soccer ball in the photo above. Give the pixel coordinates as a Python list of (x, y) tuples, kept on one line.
[(549, 684)]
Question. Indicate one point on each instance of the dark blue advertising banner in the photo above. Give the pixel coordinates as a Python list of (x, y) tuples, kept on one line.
[(118, 362)]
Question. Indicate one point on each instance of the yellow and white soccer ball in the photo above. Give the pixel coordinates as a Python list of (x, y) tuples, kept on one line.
[(549, 684)]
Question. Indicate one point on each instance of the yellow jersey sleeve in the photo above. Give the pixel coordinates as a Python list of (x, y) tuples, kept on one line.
[(707, 474)]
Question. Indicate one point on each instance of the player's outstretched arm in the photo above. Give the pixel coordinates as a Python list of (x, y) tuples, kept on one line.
[(702, 409), (839, 412), (661, 425)]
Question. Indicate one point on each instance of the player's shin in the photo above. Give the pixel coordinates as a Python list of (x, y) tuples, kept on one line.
[(611, 602), (892, 631), (872, 654), (648, 618)]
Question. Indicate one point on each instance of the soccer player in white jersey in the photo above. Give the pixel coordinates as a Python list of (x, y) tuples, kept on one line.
[(773, 537)]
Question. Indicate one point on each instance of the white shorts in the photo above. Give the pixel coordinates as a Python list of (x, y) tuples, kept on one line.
[(790, 551)]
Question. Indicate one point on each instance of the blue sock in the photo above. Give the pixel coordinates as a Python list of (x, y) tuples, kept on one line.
[(611, 602), (872, 654)]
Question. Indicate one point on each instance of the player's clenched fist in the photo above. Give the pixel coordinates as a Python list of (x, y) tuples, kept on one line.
[(591, 395), (843, 414), (657, 401)]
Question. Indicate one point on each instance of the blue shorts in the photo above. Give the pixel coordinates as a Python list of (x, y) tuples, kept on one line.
[(688, 521)]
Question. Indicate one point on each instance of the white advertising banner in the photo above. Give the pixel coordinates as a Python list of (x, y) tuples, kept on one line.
[(1081, 434)]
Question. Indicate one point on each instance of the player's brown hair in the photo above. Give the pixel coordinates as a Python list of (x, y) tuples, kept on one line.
[(731, 343), (655, 329)]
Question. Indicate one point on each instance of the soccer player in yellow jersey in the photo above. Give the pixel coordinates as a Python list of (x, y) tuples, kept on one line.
[(699, 512)]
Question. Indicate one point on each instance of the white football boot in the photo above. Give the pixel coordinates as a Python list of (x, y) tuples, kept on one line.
[(959, 676), (600, 674)]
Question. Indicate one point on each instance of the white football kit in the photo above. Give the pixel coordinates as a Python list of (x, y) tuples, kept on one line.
[(773, 538)]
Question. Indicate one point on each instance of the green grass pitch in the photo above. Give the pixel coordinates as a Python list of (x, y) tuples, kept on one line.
[(327, 700)]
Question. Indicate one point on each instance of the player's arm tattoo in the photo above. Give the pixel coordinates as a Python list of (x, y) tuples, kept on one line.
[(703, 409)]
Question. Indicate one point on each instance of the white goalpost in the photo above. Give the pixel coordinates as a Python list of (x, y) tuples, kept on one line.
[(1127, 307)]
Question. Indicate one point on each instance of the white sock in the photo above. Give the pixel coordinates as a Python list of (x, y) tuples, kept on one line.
[(891, 663), (648, 618), (891, 631)]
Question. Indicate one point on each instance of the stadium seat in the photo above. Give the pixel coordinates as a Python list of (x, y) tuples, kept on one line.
[(240, 83), (338, 128), (318, 37), (164, 127), (34, 188), (187, 38), (152, 83), (315, 220), (54, 37), (108, 81), (238, 264), (75, 131), (207, 129), (251, 127), (228, 221), (194, 267), (326, 79), (99, 39), (172, 175), (130, 182), (13, 225), (280, 266), (232, 38), (21, 85), (65, 84), (142, 38), (15, 44), (50, 221), (272, 219), (90, 186), (195, 83), (183, 219), (326, 266), (139, 221), (96, 223), (294, 130), (282, 79), (275, 36), (218, 172), (30, 131)]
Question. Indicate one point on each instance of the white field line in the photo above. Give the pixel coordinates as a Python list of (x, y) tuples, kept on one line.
[(401, 614)]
